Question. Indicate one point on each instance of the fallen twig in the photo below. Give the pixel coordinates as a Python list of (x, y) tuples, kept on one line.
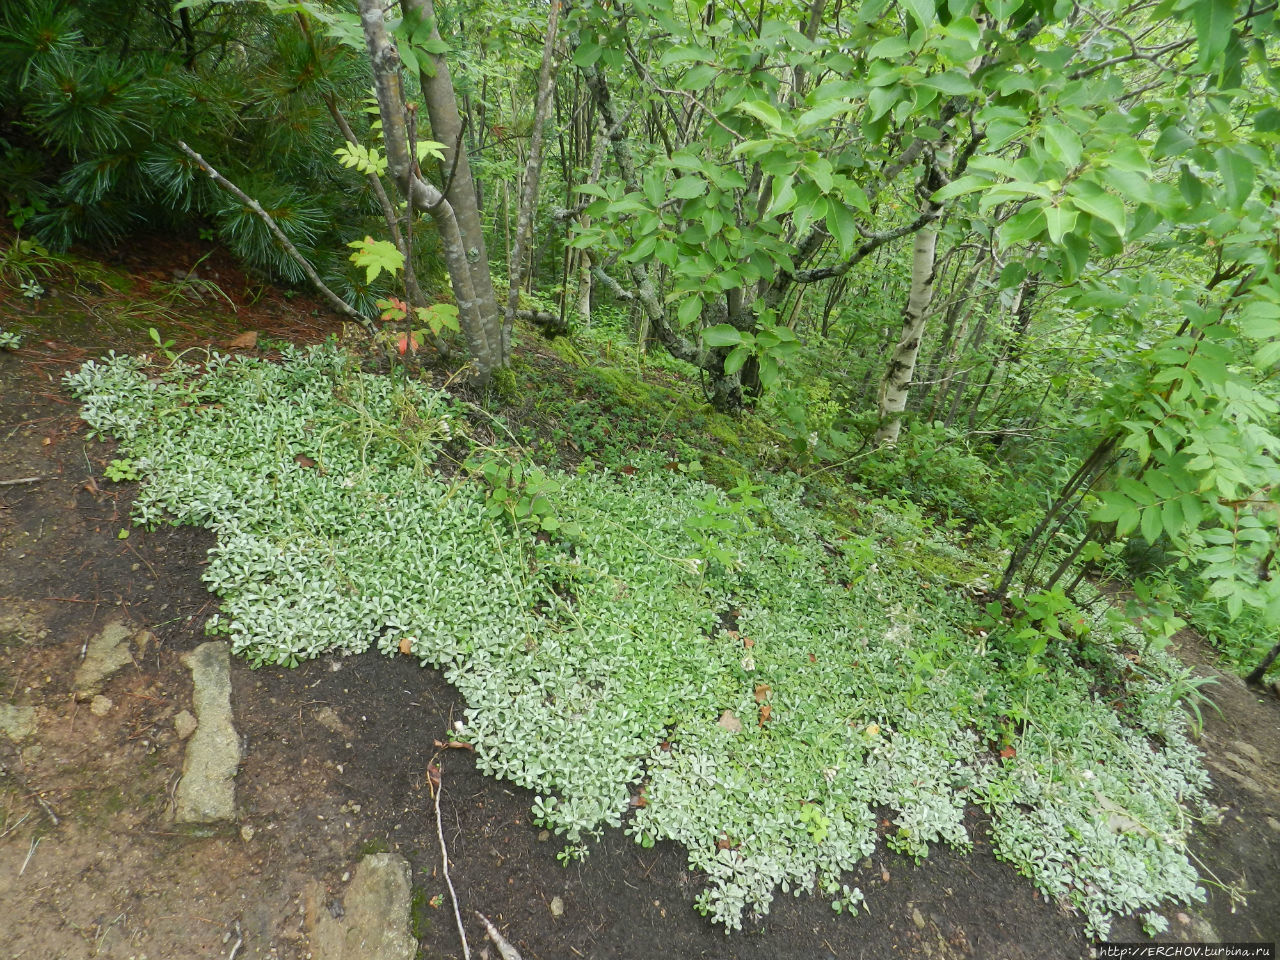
[(444, 860), (47, 809), (454, 745), (505, 949), (14, 483), (35, 842)]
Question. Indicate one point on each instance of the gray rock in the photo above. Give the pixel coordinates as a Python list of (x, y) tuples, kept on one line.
[(206, 793), (373, 923), (17, 723), (106, 653), (184, 724)]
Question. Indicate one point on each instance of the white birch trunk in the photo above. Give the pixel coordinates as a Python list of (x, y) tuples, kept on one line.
[(897, 379)]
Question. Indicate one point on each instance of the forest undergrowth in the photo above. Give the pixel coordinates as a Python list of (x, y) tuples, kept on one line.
[(756, 667)]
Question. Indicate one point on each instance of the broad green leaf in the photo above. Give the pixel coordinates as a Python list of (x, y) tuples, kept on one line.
[(923, 11), (698, 77), (1059, 221), (1152, 524), (970, 183), (952, 83), (1212, 19), (686, 188), (822, 113), (736, 358), (763, 111), (1260, 320), (1237, 175), (722, 335), (587, 53), (842, 226), (1062, 143), (1103, 206), (689, 310)]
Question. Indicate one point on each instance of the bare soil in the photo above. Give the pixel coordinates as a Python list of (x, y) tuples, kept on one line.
[(337, 751)]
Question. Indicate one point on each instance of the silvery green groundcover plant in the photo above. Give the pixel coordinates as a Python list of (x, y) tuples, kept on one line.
[(732, 671)]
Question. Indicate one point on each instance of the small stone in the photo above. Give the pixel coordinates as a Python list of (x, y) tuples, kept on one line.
[(246, 833), (884, 875), (1184, 919), (557, 907), (1274, 824), (104, 655), (17, 723), (544, 836), (917, 917), (184, 724), (100, 706)]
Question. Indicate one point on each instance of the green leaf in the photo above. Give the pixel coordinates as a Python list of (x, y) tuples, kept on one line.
[(686, 188), (1212, 19), (1152, 524), (969, 183), (1103, 206), (1260, 320), (690, 310), (1237, 175), (822, 113), (1062, 143), (375, 256), (952, 83), (763, 111), (923, 11), (842, 226), (736, 358), (587, 53), (1059, 220), (722, 335), (698, 77)]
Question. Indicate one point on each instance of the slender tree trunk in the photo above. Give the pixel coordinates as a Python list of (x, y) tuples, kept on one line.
[(480, 325), (461, 190), (1083, 477), (532, 172), (897, 379), (582, 298)]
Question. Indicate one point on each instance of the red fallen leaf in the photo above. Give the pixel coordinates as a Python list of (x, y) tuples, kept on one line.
[(246, 341), (665, 745), (406, 646), (402, 344), (762, 692), (724, 843), (304, 461), (433, 773), (640, 800), (813, 658), (627, 469), (766, 711), (885, 823), (748, 642), (733, 634), (1008, 753)]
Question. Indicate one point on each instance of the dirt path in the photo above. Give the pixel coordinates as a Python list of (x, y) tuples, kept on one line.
[(335, 766)]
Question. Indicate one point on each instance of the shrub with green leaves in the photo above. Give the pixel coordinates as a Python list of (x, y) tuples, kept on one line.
[(733, 671)]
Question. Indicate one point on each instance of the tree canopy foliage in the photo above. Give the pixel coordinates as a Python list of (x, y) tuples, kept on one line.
[(1041, 231)]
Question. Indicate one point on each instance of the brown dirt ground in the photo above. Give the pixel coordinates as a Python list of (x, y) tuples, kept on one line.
[(336, 751)]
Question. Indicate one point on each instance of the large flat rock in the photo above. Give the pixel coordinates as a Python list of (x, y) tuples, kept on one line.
[(206, 793), (375, 922)]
